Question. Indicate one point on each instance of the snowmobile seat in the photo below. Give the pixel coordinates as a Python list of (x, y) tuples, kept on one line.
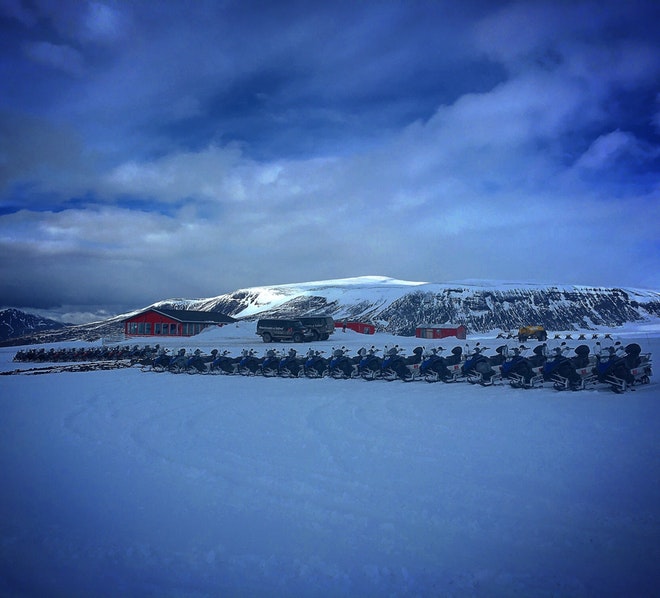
[(536, 361), (632, 361), (498, 359), (416, 357), (581, 359), (455, 356)]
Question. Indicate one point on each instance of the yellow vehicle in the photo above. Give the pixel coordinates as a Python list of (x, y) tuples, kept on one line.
[(537, 332)]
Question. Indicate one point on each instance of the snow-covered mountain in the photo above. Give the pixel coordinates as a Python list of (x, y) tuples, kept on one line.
[(398, 306), (15, 323), (354, 298)]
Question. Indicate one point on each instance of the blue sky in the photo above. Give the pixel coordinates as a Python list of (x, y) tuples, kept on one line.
[(173, 149)]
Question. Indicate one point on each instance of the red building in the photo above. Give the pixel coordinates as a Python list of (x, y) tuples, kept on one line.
[(428, 331), (361, 327), (172, 322)]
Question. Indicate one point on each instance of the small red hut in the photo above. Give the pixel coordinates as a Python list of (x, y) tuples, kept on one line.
[(443, 331), (172, 322)]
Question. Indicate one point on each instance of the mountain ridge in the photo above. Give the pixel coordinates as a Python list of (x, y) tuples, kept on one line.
[(15, 323), (398, 306)]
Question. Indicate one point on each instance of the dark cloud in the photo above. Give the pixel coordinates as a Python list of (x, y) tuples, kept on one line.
[(186, 149)]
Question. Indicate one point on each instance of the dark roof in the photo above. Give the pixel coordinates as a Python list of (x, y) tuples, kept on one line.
[(188, 315), (441, 326)]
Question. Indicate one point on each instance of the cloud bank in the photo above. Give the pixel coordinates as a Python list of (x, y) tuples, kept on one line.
[(152, 151)]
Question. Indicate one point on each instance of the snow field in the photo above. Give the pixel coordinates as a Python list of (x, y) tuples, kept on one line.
[(143, 484)]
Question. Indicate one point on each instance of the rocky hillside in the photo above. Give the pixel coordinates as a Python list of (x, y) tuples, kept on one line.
[(15, 323), (399, 306), (484, 310)]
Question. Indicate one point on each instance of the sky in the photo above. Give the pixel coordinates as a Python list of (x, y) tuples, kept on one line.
[(151, 150)]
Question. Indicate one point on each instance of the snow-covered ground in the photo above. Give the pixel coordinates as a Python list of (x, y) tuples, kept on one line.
[(124, 483)]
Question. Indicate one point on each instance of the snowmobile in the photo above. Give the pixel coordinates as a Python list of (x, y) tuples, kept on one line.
[(158, 363), (525, 372), (585, 367), (560, 370), (622, 372), (144, 358), (433, 366), (179, 363), (341, 365), (290, 365), (250, 364), (454, 366), (223, 363), (397, 365), (370, 364), (486, 370), (315, 366), (270, 365), (196, 363), (22, 355), (476, 368), (639, 365)]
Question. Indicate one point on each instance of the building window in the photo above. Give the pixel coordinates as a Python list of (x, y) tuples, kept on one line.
[(140, 327), (157, 328), (147, 327), (172, 329)]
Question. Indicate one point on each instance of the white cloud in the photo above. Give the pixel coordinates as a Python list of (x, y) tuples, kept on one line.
[(524, 109), (214, 174), (590, 47)]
